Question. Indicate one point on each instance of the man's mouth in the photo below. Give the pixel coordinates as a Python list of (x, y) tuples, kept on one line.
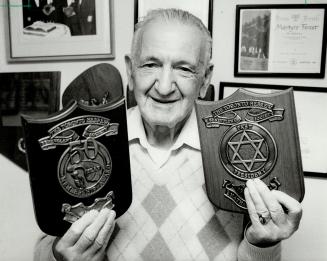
[(164, 100)]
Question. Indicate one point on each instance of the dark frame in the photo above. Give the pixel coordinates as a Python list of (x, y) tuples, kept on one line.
[(22, 81), (322, 90), (11, 131), (210, 13), (263, 62)]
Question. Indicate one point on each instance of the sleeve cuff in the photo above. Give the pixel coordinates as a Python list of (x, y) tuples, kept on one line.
[(247, 252), (43, 249)]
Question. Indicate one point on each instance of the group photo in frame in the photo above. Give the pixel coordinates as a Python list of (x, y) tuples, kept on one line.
[(280, 40), (60, 30), (310, 102), (202, 9)]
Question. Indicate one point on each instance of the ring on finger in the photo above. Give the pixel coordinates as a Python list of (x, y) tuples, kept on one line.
[(264, 217)]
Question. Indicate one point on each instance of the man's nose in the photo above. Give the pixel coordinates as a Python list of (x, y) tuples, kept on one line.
[(165, 83)]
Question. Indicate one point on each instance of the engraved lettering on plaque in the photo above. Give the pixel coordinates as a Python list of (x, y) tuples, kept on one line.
[(236, 192), (247, 150), (85, 166)]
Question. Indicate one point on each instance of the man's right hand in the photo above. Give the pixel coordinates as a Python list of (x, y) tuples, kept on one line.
[(87, 238)]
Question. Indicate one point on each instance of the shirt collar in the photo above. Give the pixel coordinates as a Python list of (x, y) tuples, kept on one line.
[(188, 136)]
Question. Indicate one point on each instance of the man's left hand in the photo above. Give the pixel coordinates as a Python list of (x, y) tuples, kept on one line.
[(274, 215)]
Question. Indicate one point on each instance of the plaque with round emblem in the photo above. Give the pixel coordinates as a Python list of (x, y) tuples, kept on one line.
[(84, 168), (247, 151), (246, 136), (78, 158)]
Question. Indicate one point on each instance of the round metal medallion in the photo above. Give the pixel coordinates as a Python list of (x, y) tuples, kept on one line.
[(84, 168), (248, 151)]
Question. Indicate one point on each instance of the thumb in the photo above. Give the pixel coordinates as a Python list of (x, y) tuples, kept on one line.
[(293, 207)]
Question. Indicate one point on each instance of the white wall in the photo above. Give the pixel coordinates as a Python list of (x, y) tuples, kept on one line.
[(308, 243)]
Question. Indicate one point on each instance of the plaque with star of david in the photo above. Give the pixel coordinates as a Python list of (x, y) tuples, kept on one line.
[(78, 158), (246, 136)]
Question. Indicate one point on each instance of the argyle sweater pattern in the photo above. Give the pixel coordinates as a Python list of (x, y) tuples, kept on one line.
[(171, 217)]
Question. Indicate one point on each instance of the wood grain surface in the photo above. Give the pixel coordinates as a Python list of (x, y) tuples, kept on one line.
[(288, 165)]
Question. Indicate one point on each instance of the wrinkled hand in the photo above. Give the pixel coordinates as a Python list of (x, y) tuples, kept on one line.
[(284, 214), (87, 238)]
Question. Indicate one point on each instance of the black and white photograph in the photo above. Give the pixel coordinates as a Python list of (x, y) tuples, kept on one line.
[(163, 130), (255, 40), (60, 30), (59, 17)]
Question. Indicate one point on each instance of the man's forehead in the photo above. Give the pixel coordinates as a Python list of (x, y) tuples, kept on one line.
[(173, 25), (161, 37)]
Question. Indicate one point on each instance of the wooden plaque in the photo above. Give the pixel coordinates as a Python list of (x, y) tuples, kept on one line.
[(245, 136), (78, 158)]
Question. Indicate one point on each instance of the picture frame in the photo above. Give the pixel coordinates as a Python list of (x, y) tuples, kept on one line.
[(280, 40), (36, 94), (202, 9), (310, 102), (59, 31)]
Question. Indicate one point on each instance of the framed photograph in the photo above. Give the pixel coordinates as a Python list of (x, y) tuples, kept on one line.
[(35, 94), (60, 30), (310, 104), (202, 9), (280, 41), (31, 93)]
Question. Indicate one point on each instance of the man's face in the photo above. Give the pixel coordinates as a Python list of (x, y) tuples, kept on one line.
[(168, 72)]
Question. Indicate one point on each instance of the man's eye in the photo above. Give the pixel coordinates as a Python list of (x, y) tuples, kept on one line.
[(150, 65), (185, 69)]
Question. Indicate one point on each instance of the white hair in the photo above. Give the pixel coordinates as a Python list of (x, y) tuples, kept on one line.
[(172, 14)]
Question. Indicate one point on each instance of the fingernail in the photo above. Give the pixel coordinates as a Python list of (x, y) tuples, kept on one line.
[(105, 212), (250, 181), (113, 213), (256, 180), (93, 212)]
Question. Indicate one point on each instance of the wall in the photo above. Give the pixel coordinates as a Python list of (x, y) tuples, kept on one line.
[(308, 243)]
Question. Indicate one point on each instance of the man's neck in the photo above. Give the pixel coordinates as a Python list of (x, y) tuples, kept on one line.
[(163, 137)]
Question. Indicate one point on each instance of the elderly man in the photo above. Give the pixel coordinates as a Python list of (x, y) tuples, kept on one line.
[(171, 217)]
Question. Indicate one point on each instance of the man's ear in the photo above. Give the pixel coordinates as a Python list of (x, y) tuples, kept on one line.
[(128, 64), (206, 81)]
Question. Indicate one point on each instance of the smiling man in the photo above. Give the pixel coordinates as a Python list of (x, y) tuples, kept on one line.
[(171, 217)]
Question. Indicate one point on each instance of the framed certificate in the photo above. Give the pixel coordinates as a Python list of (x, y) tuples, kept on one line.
[(310, 104), (202, 9), (280, 41)]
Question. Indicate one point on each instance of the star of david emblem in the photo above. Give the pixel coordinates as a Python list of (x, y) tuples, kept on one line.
[(247, 151), (253, 155)]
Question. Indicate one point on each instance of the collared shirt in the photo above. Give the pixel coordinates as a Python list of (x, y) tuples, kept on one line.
[(188, 136)]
